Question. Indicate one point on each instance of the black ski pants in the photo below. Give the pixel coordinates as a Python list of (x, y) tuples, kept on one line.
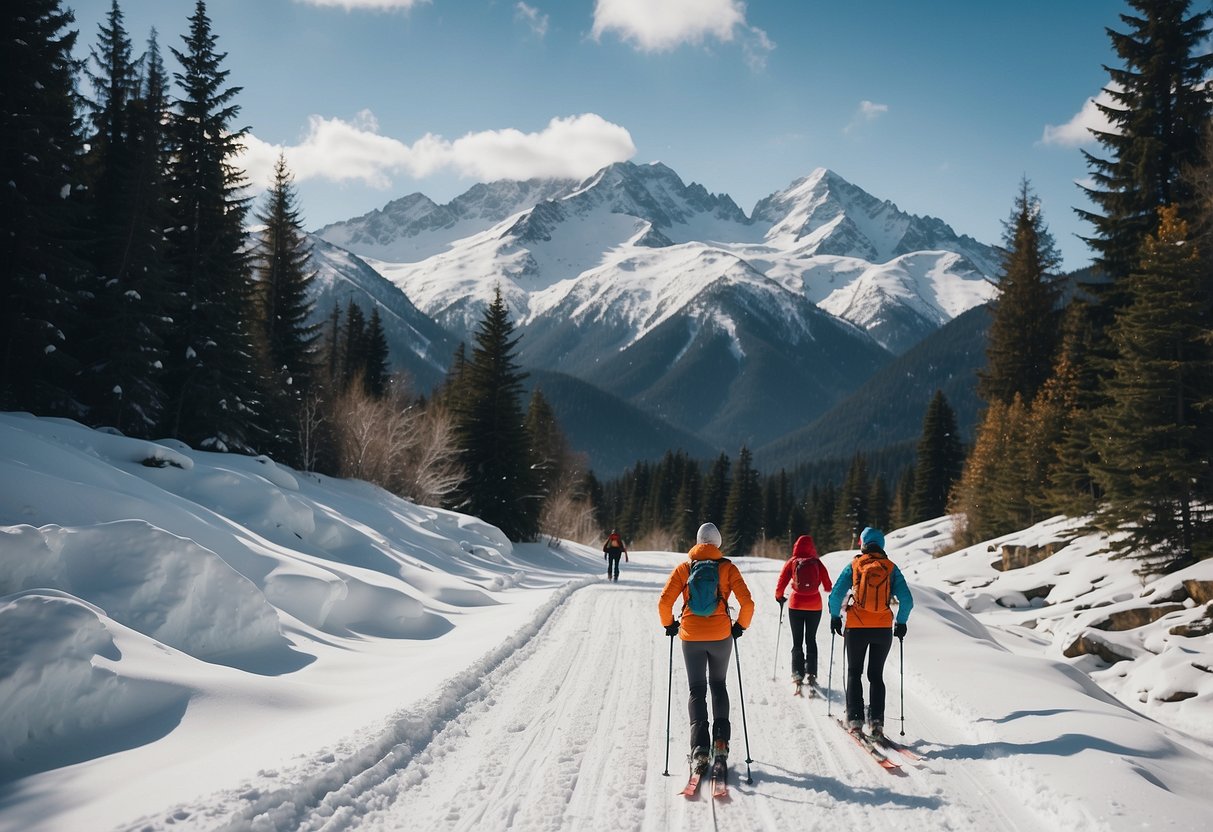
[(874, 643), (613, 565), (804, 641), (707, 666)]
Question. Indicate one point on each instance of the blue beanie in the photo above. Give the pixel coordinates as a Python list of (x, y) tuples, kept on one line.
[(871, 535)]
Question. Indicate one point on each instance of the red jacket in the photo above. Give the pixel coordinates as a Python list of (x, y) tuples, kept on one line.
[(806, 573)]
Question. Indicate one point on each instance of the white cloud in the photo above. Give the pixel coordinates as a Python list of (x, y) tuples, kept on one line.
[(537, 20), (868, 111), (374, 5), (343, 151), (660, 25), (1077, 131)]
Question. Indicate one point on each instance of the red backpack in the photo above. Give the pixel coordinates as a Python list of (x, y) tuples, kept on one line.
[(805, 575)]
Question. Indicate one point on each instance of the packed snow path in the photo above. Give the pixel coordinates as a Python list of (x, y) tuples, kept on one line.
[(568, 732)]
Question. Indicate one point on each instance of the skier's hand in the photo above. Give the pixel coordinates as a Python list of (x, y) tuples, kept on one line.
[(737, 630), (899, 630), (836, 625), (671, 630), (780, 601)]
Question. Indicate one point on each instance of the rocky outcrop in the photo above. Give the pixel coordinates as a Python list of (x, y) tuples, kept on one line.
[(1017, 557), (1089, 645), (1139, 617)]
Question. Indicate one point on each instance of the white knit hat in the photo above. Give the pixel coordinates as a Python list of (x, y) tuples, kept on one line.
[(708, 533)]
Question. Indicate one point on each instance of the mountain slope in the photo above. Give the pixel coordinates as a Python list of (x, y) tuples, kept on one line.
[(888, 408), (417, 345)]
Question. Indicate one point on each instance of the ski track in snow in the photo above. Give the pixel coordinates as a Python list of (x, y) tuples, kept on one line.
[(564, 728)]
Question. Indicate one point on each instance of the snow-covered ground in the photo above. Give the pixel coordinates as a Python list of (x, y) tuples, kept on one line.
[(204, 641)]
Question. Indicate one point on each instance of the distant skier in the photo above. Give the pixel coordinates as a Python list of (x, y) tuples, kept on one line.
[(807, 575), (612, 551), (871, 580), (705, 583)]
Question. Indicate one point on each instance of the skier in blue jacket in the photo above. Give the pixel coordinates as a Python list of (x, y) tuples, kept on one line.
[(869, 581)]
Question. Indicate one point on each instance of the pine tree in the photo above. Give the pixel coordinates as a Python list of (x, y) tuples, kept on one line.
[(1160, 104), (879, 504), (211, 372), (743, 509), (290, 357), (500, 486), (938, 462), (129, 297), (851, 511), (686, 506), (41, 251), (378, 371), (550, 452), (1154, 442), (354, 350), (1024, 331), (903, 495), (334, 361), (715, 492), (1071, 487)]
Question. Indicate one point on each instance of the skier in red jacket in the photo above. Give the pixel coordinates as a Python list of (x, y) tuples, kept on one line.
[(808, 576)]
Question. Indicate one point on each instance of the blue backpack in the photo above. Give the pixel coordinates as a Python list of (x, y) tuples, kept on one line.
[(703, 587)]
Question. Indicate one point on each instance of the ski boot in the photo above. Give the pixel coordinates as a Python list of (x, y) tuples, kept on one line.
[(876, 730), (855, 726), (699, 760), (720, 760)]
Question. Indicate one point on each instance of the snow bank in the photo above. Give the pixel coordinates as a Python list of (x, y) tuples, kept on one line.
[(64, 695), (168, 588)]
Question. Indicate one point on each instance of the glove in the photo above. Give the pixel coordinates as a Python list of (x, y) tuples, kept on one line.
[(671, 629), (737, 630), (780, 601), (836, 625), (899, 630)]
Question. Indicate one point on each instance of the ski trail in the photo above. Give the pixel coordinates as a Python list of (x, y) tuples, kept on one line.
[(566, 730)]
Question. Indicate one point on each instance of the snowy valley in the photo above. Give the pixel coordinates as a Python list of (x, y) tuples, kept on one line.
[(193, 640)]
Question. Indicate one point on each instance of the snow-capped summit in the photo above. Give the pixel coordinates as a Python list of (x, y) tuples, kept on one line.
[(825, 214), (414, 227), (619, 279)]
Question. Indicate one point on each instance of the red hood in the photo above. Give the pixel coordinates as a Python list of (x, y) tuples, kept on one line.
[(804, 548)]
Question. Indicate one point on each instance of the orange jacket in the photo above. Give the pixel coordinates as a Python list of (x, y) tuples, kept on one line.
[(712, 627)]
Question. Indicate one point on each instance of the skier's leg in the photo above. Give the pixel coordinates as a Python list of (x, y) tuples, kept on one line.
[(882, 643), (718, 655), (856, 646), (812, 619), (796, 620), (696, 658)]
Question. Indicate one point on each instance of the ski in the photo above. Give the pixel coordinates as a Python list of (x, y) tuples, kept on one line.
[(893, 745), (865, 742), (691, 791), (720, 785)]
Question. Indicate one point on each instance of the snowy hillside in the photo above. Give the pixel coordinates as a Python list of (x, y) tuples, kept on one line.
[(202, 641)]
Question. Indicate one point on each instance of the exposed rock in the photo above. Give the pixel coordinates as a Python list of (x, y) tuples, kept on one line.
[(1038, 592), (1017, 557), (1085, 645), (1131, 619), (1199, 591), (1178, 696), (1199, 627)]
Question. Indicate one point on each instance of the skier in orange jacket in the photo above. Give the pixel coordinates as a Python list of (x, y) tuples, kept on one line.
[(705, 584)]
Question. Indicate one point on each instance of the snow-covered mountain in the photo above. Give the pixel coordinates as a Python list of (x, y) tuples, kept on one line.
[(659, 291), (417, 346), (415, 227)]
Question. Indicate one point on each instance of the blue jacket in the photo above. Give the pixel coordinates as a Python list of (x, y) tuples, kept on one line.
[(901, 591)]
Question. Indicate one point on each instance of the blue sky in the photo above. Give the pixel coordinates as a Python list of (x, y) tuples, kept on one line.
[(937, 105)]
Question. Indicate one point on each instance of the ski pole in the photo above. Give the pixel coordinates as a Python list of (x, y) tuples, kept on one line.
[(830, 679), (778, 633), (901, 647), (669, 698), (745, 731)]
